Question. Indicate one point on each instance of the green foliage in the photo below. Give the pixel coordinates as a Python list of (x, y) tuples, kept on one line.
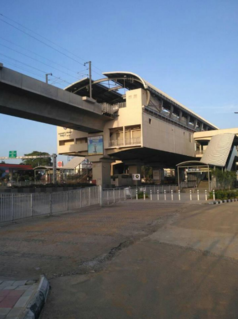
[(37, 161), (225, 179), (147, 172), (141, 195), (224, 194)]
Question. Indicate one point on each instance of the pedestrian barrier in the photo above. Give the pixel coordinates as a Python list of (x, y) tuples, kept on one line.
[(16, 206)]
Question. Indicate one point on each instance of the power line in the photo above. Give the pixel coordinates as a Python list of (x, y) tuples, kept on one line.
[(28, 65), (43, 41), (41, 56), (37, 60), (50, 46)]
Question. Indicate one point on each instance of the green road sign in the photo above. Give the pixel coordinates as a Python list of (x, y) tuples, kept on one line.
[(12, 154)]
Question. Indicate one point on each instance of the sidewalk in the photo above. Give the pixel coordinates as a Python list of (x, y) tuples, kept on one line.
[(22, 299)]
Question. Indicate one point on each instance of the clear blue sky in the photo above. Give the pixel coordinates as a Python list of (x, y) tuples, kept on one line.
[(188, 49)]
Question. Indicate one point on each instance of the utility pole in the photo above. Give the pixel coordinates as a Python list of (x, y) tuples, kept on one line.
[(46, 77), (90, 77)]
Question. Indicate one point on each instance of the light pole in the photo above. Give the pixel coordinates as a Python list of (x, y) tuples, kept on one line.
[(46, 77), (90, 77)]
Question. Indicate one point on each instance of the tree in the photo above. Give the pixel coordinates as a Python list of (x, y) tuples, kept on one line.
[(2, 162), (37, 161)]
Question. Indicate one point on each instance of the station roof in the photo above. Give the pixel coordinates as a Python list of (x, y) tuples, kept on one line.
[(128, 80), (100, 93)]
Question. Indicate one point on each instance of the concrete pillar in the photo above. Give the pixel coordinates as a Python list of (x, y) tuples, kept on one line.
[(188, 119), (195, 123), (135, 169), (171, 110), (158, 175), (101, 171)]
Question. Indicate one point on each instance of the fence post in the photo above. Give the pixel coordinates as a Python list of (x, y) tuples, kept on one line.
[(100, 195), (150, 194), (165, 195), (12, 206), (157, 194), (198, 194), (206, 195), (80, 201), (136, 194), (213, 195), (89, 196), (67, 201), (31, 204), (50, 203), (190, 194), (144, 194), (113, 194), (172, 194), (179, 197)]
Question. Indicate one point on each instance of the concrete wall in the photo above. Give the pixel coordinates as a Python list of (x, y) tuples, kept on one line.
[(162, 135), (127, 116)]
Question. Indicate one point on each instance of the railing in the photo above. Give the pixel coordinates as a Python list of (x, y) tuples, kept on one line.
[(128, 141), (118, 142), (16, 206), (133, 141)]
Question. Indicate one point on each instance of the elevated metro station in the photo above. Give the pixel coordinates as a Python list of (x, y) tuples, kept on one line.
[(120, 123), (145, 127)]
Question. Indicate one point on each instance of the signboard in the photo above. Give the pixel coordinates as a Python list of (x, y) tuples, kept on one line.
[(60, 164), (136, 177), (12, 154), (192, 170), (95, 145)]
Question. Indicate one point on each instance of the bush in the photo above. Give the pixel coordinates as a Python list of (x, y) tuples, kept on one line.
[(141, 195), (224, 194)]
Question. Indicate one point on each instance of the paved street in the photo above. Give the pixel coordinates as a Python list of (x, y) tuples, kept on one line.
[(132, 260)]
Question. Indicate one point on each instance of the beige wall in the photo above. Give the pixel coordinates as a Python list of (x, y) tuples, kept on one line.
[(161, 135), (207, 135), (127, 116), (167, 137)]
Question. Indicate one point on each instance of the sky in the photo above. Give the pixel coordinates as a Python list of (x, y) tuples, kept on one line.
[(186, 48)]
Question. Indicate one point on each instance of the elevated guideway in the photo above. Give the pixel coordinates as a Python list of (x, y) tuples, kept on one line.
[(25, 97)]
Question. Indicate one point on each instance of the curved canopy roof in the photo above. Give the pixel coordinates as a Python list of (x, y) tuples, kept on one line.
[(133, 81), (123, 79)]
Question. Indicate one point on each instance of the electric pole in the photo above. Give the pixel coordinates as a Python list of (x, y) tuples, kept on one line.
[(90, 77), (46, 77)]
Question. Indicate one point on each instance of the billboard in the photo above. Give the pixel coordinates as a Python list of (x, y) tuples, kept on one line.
[(95, 145)]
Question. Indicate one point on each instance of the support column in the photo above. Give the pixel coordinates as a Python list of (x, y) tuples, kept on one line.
[(180, 115), (171, 110), (188, 119), (101, 171), (135, 169), (158, 175)]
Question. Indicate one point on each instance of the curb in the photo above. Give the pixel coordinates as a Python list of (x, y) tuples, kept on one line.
[(215, 202), (37, 302)]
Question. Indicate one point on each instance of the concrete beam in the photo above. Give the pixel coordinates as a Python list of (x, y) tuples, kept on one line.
[(31, 99)]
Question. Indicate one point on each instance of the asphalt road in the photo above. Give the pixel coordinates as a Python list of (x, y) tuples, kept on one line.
[(133, 260)]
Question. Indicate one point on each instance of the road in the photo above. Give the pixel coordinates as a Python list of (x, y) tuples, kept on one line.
[(133, 260)]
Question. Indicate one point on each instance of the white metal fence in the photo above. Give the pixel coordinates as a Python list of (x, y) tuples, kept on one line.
[(16, 206)]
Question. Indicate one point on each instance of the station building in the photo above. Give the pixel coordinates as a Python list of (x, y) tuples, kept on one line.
[(144, 126)]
